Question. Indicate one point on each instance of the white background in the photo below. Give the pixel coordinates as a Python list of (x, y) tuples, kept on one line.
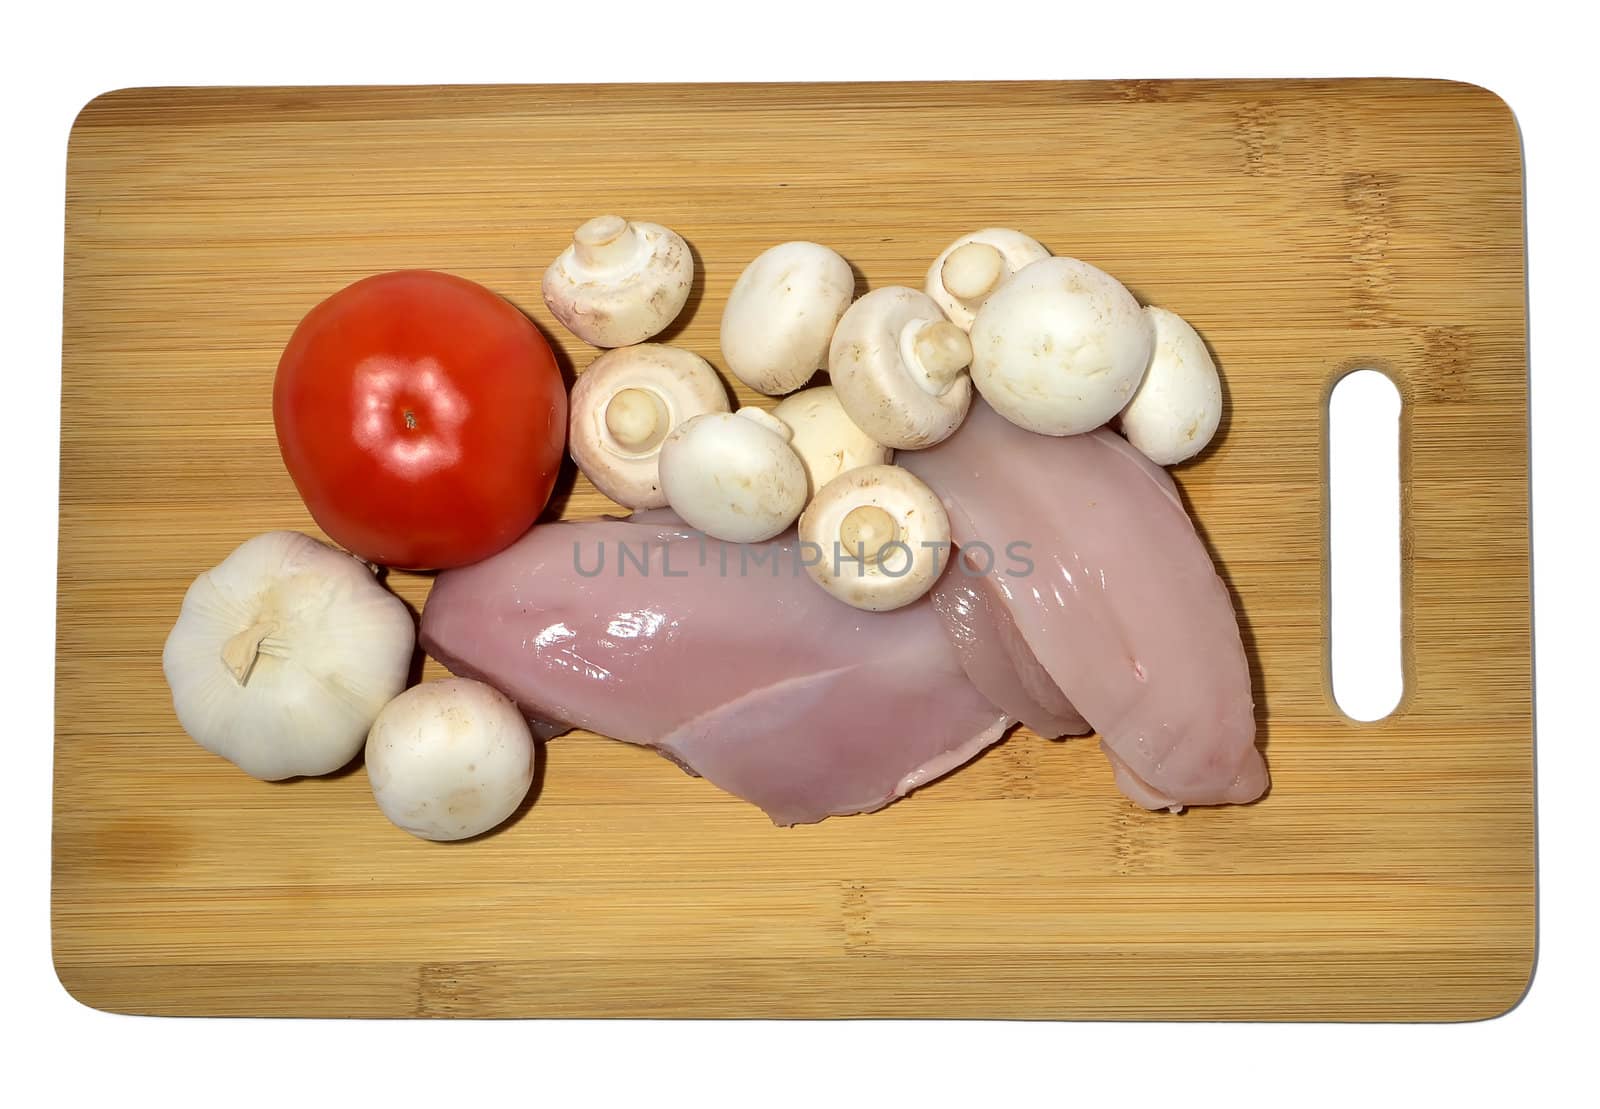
[(1539, 62)]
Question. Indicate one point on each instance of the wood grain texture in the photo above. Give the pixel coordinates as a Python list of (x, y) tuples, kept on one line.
[(1305, 228)]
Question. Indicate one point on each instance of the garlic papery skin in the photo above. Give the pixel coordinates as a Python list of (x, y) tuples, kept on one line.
[(283, 655)]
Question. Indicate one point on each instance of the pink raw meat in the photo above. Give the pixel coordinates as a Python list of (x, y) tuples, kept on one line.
[(756, 680), (1121, 604), (996, 657)]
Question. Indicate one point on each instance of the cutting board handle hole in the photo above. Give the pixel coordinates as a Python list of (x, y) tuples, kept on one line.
[(1364, 545)]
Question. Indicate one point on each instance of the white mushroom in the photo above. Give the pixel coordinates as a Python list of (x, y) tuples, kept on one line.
[(826, 439), (897, 364), (970, 269), (733, 475), (877, 538), (619, 282), (782, 312), (1175, 411), (625, 405), (1060, 347), (449, 759)]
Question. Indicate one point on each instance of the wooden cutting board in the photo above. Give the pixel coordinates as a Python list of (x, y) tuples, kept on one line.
[(1305, 228)]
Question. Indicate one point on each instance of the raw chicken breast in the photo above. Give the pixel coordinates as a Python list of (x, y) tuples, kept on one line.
[(1101, 570), (996, 657), (725, 657)]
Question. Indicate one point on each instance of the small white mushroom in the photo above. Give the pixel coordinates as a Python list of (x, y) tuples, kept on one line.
[(826, 439), (626, 404), (781, 313), (450, 759), (897, 364), (1060, 348), (733, 475), (1176, 409), (970, 269), (619, 282), (878, 538)]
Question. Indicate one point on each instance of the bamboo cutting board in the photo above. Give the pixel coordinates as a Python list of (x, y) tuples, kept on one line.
[(1304, 228)]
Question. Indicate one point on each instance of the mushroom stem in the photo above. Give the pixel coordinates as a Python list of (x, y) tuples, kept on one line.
[(240, 652), (763, 418), (865, 531), (637, 419), (972, 272), (940, 351), (605, 242)]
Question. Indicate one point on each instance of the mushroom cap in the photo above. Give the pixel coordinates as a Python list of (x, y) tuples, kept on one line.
[(780, 314), (886, 507), (606, 437), (826, 439), (1176, 409), (1060, 348), (1012, 249), (618, 283), (733, 475), (883, 381), (450, 759)]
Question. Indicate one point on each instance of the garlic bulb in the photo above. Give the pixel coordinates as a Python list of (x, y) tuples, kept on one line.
[(283, 655)]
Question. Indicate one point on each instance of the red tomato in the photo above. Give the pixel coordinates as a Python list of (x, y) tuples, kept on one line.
[(422, 418)]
